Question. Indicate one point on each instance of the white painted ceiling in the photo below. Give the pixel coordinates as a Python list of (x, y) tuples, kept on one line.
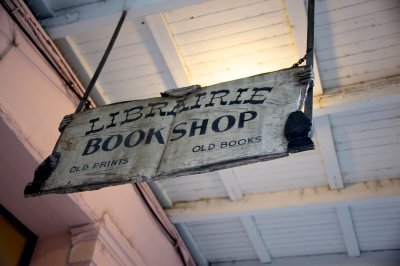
[(168, 44)]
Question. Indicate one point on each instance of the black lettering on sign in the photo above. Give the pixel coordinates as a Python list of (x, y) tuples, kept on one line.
[(112, 124), (256, 90), (216, 124), (92, 130), (197, 105), (78, 168), (131, 140), (106, 144), (128, 113), (156, 106), (236, 101), (180, 104), (134, 138), (180, 131), (157, 134), (203, 128), (214, 93), (242, 117), (128, 138), (240, 142), (92, 146), (208, 147), (110, 163)]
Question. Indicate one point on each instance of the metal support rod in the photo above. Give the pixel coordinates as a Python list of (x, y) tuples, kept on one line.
[(101, 64), (308, 105)]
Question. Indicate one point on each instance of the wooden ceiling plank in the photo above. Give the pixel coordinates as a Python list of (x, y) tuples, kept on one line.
[(77, 19), (231, 184), (233, 50), (246, 57), (271, 25), (256, 239), (201, 9), (326, 13), (360, 36), (212, 19)]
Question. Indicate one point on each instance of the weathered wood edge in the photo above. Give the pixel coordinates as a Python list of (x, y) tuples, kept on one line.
[(36, 191), (42, 173)]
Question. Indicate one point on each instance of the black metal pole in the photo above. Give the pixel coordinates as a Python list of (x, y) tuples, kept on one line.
[(101, 64), (308, 105)]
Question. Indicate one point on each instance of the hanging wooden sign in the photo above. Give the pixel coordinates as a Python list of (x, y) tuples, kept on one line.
[(185, 132)]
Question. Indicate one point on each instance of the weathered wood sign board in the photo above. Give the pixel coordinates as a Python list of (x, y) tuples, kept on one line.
[(214, 127)]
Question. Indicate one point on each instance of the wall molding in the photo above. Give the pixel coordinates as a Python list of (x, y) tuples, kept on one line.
[(100, 242)]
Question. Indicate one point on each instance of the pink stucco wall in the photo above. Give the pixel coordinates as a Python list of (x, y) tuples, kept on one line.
[(33, 100)]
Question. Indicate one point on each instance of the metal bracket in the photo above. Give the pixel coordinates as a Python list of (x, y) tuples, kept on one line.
[(307, 77)]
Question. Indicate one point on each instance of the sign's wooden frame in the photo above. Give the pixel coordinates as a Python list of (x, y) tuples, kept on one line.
[(187, 131)]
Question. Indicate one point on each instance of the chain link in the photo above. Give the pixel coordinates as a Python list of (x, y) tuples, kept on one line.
[(301, 60)]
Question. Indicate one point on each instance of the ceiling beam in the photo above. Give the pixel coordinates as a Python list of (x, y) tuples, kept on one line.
[(282, 201), (230, 183), (169, 50), (191, 244), (349, 234), (358, 97), (256, 239), (328, 152), (298, 20), (75, 19), (384, 257), (179, 76), (82, 69)]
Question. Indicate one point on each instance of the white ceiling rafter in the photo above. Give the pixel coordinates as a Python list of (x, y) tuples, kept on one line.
[(76, 19), (231, 184), (191, 243), (349, 234), (169, 50), (74, 55), (309, 198), (298, 20), (328, 152), (256, 239), (179, 73), (358, 97)]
